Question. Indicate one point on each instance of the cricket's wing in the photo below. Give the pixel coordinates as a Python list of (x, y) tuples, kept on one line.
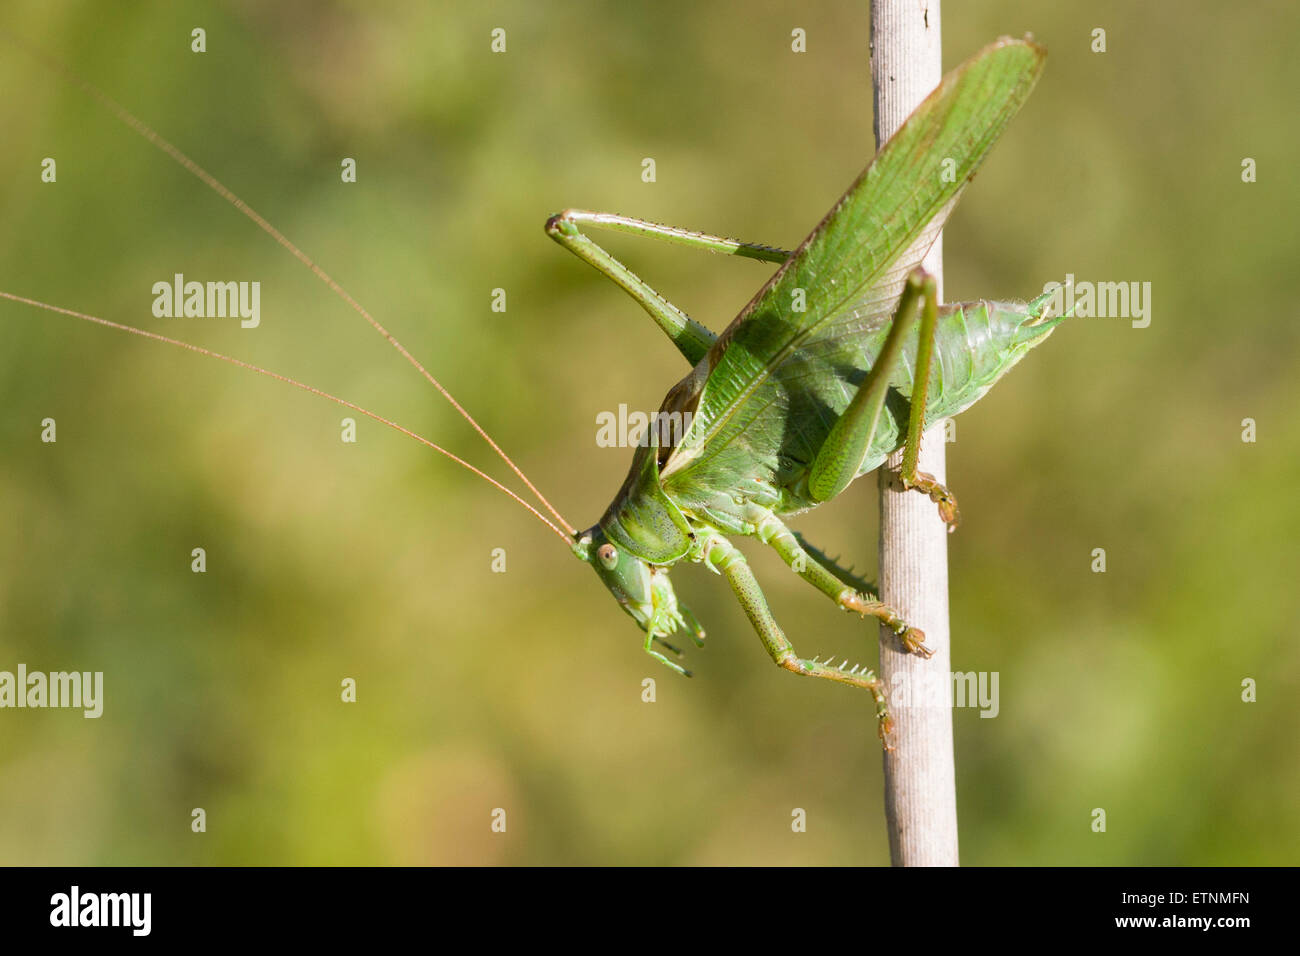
[(795, 351)]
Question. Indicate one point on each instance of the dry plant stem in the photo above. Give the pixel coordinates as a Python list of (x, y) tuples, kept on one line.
[(920, 783)]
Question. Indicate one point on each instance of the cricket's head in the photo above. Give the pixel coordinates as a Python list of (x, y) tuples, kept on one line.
[(641, 588)]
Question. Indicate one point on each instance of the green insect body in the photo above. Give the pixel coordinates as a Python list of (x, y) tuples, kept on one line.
[(820, 378), (823, 375)]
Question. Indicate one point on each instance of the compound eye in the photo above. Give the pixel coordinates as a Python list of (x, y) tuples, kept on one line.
[(608, 555)]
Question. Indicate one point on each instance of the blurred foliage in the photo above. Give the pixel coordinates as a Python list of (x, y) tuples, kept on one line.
[(522, 690)]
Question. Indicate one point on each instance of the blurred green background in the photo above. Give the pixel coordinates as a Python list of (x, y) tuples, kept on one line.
[(522, 690)]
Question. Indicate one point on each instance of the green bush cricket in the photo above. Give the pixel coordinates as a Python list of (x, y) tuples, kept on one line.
[(838, 361), (814, 384)]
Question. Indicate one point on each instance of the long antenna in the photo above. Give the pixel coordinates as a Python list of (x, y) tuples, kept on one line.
[(138, 125), (288, 381)]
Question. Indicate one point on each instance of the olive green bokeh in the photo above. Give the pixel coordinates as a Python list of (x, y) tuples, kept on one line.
[(522, 689)]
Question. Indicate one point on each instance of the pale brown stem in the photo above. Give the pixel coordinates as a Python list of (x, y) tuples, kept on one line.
[(920, 782)]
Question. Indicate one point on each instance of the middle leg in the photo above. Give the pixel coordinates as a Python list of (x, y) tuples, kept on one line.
[(721, 555), (773, 532)]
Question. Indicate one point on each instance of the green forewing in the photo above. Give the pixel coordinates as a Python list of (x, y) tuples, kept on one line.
[(777, 378)]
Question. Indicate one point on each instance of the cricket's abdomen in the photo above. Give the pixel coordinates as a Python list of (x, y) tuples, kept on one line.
[(768, 464)]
